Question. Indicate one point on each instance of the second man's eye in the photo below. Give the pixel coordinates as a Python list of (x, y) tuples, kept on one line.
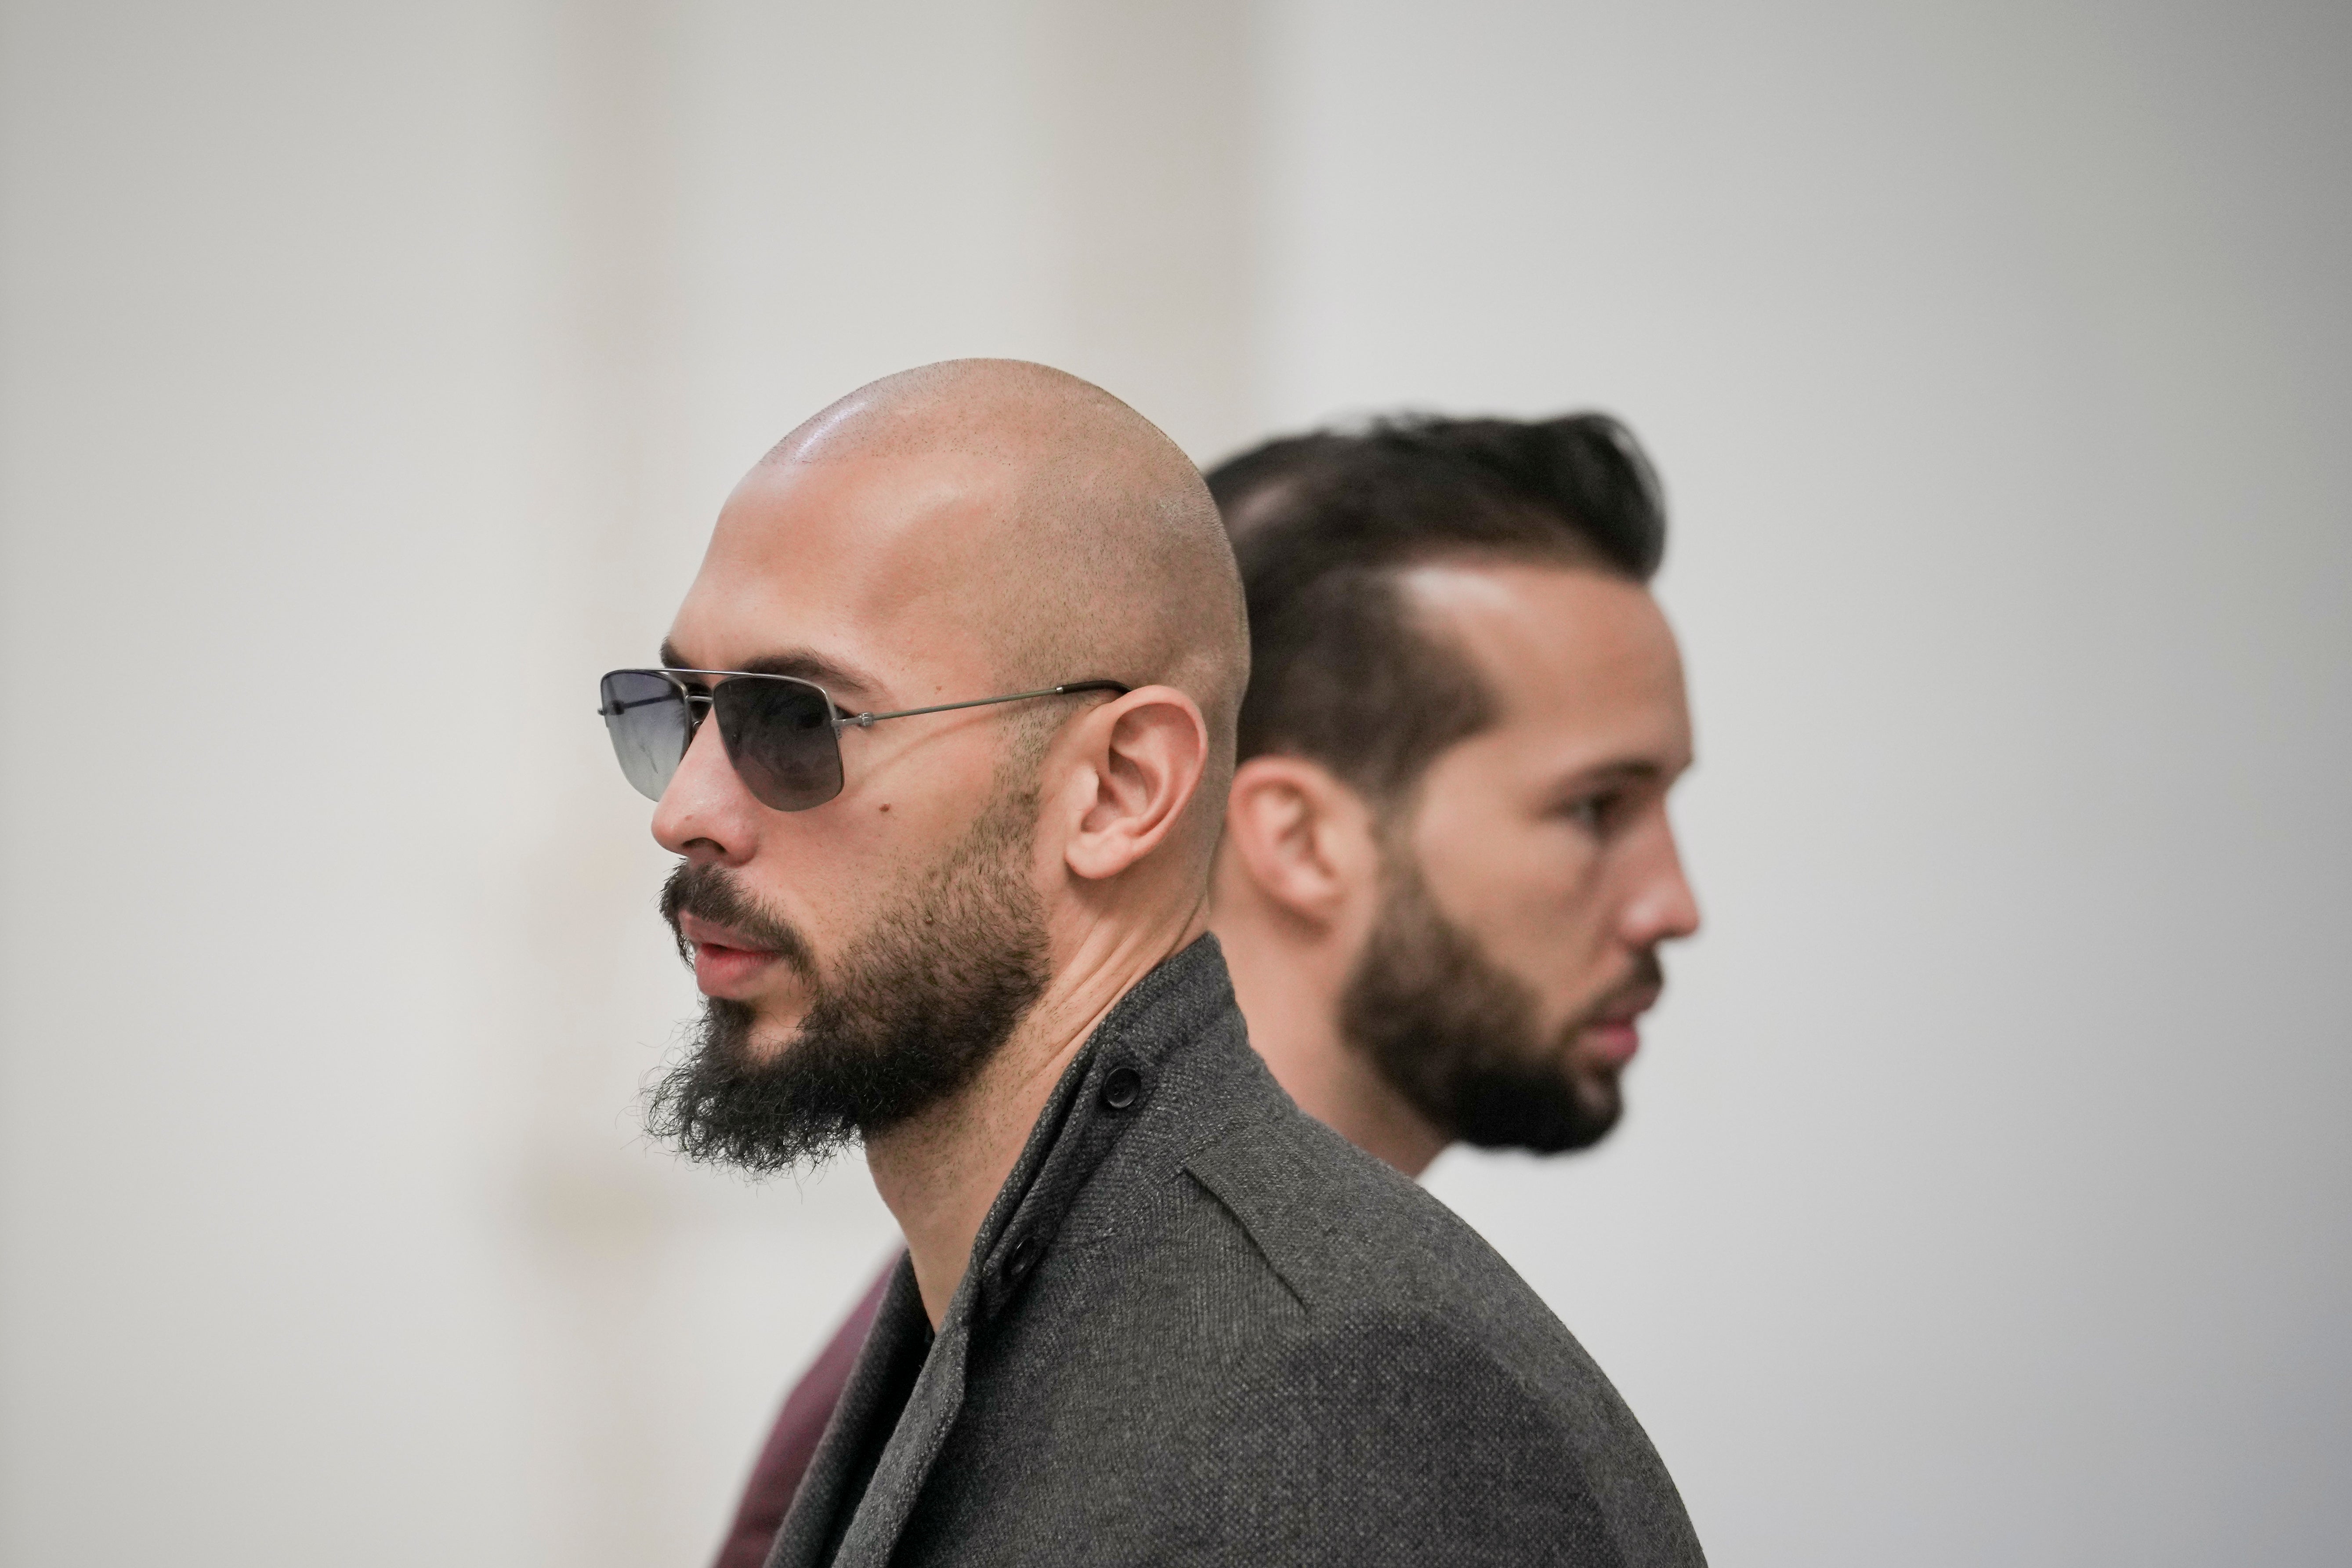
[(1591, 812)]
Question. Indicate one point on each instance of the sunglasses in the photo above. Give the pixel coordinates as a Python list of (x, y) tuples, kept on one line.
[(783, 733)]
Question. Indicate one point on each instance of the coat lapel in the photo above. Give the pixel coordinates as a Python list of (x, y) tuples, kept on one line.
[(1172, 1005), (898, 1333)]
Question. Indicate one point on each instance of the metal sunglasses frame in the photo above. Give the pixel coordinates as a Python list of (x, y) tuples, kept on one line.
[(698, 704), (843, 719)]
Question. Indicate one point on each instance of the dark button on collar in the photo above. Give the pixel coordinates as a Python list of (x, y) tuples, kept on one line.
[(1020, 1259), (1122, 1088)]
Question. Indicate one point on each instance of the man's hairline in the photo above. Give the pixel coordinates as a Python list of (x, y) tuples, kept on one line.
[(1421, 620)]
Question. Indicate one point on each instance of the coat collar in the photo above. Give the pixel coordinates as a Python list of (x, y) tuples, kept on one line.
[(1123, 1090)]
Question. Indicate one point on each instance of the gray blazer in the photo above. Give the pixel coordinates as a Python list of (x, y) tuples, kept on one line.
[(1199, 1327)]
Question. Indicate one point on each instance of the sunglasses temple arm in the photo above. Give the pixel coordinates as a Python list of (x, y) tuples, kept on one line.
[(863, 720)]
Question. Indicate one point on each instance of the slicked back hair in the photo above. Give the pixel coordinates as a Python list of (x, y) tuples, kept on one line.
[(1323, 524)]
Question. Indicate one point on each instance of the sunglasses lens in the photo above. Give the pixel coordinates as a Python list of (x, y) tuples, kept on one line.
[(646, 717), (781, 737)]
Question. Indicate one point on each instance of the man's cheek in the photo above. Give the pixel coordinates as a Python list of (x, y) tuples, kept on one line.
[(1555, 958)]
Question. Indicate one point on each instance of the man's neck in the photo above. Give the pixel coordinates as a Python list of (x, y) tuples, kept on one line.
[(941, 1170), (1290, 993)]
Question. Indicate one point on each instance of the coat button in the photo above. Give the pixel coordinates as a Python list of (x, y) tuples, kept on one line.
[(1122, 1088), (1022, 1259)]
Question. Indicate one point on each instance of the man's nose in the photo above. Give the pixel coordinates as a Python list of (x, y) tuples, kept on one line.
[(706, 814), (1664, 909)]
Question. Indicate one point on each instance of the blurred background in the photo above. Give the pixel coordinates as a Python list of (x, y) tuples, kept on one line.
[(369, 377)]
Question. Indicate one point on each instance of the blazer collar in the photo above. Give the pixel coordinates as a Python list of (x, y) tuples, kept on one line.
[(1135, 1062)]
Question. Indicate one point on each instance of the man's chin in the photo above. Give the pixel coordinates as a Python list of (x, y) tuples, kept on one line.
[(1541, 1110), (1603, 1100), (758, 1036)]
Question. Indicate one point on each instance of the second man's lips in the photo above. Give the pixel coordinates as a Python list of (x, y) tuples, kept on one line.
[(1630, 1006), (1614, 1034)]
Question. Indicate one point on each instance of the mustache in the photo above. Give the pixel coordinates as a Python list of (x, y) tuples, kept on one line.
[(711, 893)]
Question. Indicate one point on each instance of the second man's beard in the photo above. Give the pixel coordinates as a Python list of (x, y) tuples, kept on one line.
[(915, 1007), (1458, 1036)]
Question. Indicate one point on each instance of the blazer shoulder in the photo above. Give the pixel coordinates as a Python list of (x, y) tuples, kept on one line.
[(1344, 1230), (1448, 1366)]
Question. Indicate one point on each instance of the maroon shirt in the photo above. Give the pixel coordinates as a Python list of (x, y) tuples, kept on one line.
[(792, 1443)]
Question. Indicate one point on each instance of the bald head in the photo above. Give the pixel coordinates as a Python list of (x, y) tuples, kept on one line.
[(994, 867), (972, 530), (1084, 542)]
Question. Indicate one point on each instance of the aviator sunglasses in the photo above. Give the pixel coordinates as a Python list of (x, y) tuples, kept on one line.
[(782, 733)]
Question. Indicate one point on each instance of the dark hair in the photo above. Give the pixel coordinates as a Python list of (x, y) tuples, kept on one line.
[(1322, 524)]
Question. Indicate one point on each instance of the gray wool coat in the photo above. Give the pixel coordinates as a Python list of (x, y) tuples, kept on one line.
[(1199, 1327)]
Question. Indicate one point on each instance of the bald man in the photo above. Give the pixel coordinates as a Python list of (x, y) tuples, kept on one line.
[(973, 641)]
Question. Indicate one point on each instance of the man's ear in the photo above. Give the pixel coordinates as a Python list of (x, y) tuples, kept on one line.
[(1144, 757), (1304, 839)]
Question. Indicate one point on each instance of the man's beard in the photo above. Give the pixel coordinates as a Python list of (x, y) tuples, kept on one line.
[(1457, 1036), (919, 1002)]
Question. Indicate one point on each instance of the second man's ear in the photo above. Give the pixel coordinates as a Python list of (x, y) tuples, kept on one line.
[(1306, 842)]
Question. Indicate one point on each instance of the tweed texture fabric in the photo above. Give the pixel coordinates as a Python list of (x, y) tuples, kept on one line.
[(1199, 1327)]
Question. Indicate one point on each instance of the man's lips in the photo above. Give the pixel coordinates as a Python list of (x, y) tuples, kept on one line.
[(726, 963), (1614, 1035)]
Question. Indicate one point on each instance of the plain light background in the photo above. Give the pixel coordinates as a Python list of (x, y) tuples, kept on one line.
[(370, 375)]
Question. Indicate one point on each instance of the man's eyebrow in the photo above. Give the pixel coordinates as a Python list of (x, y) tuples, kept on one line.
[(826, 672), (829, 673), (1625, 771)]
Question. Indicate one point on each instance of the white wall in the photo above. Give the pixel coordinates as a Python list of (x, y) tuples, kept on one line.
[(386, 365), (260, 388)]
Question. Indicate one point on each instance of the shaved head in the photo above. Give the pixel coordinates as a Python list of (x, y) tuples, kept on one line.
[(944, 549), (1096, 548)]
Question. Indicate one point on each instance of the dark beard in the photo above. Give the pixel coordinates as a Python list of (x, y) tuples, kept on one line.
[(919, 1002), (1457, 1036)]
